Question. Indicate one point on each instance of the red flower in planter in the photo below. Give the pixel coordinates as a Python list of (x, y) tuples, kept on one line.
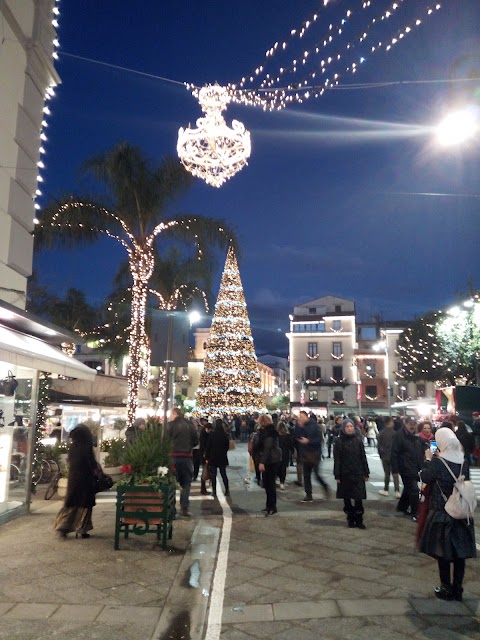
[(126, 469)]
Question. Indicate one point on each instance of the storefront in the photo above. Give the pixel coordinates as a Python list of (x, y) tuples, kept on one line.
[(22, 357)]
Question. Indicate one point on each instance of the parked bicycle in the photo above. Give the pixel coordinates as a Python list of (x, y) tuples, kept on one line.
[(53, 486)]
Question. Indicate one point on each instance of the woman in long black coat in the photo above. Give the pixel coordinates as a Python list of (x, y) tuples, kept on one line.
[(269, 457), (76, 513), (351, 471), (448, 540), (216, 456)]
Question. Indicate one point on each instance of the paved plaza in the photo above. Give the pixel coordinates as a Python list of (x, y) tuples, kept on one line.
[(300, 574)]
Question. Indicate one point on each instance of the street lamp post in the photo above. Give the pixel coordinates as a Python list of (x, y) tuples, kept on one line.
[(383, 346), (194, 316), (168, 364)]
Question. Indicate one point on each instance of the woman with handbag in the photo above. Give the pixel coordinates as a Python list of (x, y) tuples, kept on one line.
[(216, 456), (269, 458), (76, 513), (449, 540)]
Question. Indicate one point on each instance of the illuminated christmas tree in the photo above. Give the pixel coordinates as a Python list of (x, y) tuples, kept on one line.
[(230, 382)]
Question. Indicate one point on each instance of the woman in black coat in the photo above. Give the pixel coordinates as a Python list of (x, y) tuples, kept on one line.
[(449, 540), (351, 471), (216, 456), (76, 513), (286, 445)]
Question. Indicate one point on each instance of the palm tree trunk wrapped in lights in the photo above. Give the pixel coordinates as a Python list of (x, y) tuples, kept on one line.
[(140, 194), (230, 382)]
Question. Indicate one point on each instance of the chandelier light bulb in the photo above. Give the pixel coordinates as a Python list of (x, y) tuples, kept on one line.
[(214, 151)]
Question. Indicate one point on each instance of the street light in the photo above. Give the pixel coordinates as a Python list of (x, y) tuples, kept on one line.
[(193, 316), (458, 127), (383, 346)]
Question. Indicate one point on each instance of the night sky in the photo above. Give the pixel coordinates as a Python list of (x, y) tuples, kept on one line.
[(327, 204)]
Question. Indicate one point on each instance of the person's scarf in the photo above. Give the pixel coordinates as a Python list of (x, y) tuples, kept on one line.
[(449, 446)]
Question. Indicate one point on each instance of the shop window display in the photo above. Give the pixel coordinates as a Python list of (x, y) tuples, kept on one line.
[(16, 434)]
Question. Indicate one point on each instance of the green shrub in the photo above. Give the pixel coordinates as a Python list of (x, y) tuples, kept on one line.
[(116, 452), (147, 452)]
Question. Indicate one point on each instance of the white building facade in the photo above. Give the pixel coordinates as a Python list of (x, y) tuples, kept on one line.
[(322, 342), (27, 72), (338, 365)]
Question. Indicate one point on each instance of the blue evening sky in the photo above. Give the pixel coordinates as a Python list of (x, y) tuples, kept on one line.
[(325, 205)]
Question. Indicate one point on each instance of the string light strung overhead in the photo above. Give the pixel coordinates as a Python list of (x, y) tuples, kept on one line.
[(335, 52), (215, 153)]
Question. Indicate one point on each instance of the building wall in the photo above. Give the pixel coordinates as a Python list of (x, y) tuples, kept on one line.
[(322, 334), (280, 368), (26, 71)]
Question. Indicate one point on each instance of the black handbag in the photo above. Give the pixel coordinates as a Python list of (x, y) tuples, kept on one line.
[(103, 482), (8, 385)]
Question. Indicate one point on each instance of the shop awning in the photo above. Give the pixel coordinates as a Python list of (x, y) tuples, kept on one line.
[(26, 351), (106, 390)]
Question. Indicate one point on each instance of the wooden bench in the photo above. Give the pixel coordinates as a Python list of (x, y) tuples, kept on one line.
[(141, 510)]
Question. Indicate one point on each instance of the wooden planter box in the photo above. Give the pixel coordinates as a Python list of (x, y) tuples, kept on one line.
[(141, 510)]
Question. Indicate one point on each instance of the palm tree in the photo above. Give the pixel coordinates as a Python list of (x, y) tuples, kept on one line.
[(133, 213), (178, 280)]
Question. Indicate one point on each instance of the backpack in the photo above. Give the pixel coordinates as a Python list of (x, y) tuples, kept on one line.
[(463, 501)]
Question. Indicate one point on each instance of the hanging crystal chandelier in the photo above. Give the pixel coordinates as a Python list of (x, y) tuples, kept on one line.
[(214, 151)]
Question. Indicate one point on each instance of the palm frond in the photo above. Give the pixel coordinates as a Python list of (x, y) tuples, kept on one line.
[(74, 220), (204, 232)]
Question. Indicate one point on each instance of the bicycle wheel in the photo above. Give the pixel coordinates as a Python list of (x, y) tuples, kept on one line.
[(54, 467), (44, 472), (52, 487), (14, 473)]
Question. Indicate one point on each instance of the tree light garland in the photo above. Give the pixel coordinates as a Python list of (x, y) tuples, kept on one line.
[(230, 382)]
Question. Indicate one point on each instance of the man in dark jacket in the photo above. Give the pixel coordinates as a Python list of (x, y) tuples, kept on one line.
[(310, 450), (184, 437), (406, 459), (384, 443), (132, 432), (205, 433)]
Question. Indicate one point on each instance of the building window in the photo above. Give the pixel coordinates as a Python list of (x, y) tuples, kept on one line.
[(337, 350), (371, 368), (312, 349), (184, 391), (337, 374), (421, 391), (309, 327), (204, 345), (313, 395), (338, 396), (313, 374), (371, 391), (312, 310), (336, 325), (338, 308)]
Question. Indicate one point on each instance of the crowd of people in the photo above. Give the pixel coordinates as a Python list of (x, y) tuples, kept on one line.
[(435, 457)]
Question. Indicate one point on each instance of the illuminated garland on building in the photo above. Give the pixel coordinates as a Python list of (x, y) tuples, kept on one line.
[(49, 94), (230, 382)]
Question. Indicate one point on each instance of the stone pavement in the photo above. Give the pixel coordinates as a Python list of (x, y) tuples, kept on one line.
[(309, 576), (301, 574), (79, 589)]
